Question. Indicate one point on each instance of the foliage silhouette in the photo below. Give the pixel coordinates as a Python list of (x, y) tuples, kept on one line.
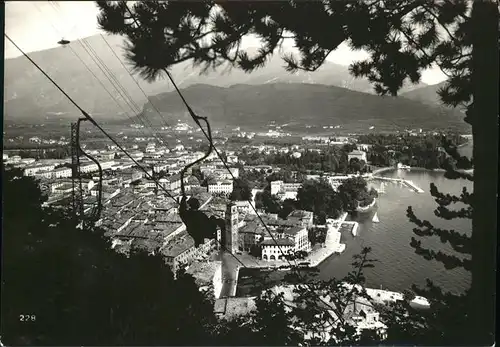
[(81, 291), (241, 190)]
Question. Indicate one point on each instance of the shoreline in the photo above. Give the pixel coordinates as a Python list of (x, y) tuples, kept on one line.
[(366, 208), (382, 169), (417, 168)]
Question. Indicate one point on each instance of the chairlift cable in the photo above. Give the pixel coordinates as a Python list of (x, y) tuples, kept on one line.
[(135, 80), (87, 116), (91, 120), (126, 95), (116, 85), (125, 112)]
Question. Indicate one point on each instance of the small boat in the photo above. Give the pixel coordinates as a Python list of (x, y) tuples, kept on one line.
[(375, 218), (420, 300), (354, 230)]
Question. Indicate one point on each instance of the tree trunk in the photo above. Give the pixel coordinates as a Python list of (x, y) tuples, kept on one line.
[(485, 153)]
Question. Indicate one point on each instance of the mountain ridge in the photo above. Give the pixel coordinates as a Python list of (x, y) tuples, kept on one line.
[(426, 94), (29, 96), (299, 105)]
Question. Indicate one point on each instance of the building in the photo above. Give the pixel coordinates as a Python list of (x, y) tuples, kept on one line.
[(243, 207), (364, 147), (232, 159), (137, 155), (285, 190), (181, 251), (32, 170), (299, 237), (231, 235), (62, 172), (62, 188), (151, 147), (272, 250), (106, 155), (89, 167), (43, 174), (250, 235), (360, 155), (192, 182), (301, 218), (223, 173), (218, 187), (107, 191), (173, 183), (107, 164), (131, 175), (28, 161)]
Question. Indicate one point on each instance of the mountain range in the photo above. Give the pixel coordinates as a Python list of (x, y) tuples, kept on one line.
[(297, 105), (327, 95)]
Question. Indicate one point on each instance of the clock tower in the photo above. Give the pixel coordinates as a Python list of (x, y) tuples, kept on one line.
[(231, 228)]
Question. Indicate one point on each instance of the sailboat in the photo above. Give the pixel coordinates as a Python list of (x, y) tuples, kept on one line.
[(375, 218)]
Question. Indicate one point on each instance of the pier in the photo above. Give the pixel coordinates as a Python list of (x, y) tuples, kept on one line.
[(408, 183)]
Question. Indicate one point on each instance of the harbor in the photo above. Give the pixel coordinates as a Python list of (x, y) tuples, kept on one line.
[(363, 230), (407, 183), (319, 254)]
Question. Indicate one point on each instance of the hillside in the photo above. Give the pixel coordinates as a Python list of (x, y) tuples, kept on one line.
[(29, 97), (299, 105), (427, 94)]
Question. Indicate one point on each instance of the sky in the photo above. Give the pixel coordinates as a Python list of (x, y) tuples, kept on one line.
[(38, 25)]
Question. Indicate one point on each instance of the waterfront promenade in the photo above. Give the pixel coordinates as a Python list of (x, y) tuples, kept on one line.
[(332, 243), (231, 266)]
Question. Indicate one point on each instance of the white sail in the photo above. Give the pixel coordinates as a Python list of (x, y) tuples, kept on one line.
[(375, 218)]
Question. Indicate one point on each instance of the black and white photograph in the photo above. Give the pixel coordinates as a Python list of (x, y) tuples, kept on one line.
[(249, 173)]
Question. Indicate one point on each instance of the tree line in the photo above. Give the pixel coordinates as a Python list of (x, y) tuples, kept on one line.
[(319, 197), (425, 151)]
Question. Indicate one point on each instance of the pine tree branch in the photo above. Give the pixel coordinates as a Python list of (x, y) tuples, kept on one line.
[(448, 199), (459, 242), (427, 9), (417, 46), (449, 261)]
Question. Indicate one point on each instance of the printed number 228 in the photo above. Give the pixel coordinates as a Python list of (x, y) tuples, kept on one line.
[(27, 318)]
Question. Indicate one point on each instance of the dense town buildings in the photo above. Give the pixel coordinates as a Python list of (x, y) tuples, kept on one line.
[(137, 214)]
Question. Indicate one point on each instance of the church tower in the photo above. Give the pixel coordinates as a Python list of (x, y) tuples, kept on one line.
[(231, 217)]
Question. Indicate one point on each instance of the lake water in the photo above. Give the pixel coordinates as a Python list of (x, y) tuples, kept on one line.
[(397, 266)]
